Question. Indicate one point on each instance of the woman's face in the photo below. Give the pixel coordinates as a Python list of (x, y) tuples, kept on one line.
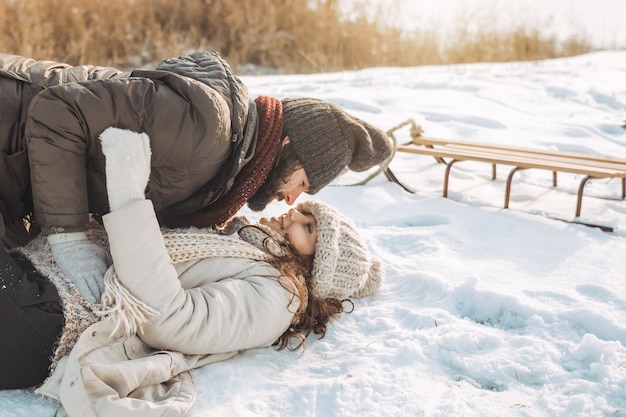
[(299, 229)]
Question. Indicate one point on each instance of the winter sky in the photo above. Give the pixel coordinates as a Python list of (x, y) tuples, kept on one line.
[(599, 21)]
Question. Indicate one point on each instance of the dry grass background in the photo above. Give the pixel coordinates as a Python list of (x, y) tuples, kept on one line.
[(284, 35)]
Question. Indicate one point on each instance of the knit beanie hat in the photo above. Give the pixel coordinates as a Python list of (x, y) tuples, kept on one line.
[(342, 267), (327, 140)]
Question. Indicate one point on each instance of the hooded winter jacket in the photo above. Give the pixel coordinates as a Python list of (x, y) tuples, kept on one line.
[(207, 311), (197, 114)]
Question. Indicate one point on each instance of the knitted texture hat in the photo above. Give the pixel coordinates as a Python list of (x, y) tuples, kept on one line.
[(327, 140), (342, 267)]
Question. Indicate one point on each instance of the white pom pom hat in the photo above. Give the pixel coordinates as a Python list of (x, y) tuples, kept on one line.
[(342, 266)]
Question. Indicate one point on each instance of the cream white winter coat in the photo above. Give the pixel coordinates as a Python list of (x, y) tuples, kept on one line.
[(208, 310)]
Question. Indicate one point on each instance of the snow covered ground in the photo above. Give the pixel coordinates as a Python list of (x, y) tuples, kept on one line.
[(484, 311)]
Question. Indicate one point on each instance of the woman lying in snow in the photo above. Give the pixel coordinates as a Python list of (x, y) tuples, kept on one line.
[(174, 300)]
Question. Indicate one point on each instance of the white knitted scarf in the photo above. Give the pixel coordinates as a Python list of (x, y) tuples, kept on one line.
[(130, 313), (121, 306)]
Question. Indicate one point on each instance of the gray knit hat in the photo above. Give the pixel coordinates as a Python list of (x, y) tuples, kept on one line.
[(342, 267), (327, 140)]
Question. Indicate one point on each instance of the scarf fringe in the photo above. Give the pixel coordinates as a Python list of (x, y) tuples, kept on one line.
[(128, 312)]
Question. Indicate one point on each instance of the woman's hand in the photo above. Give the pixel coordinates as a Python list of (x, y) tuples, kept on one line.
[(127, 156)]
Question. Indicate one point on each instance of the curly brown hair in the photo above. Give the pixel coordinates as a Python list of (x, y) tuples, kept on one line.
[(313, 313)]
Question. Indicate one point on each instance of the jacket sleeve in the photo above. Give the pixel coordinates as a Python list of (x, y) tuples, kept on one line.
[(66, 161), (50, 73), (223, 316)]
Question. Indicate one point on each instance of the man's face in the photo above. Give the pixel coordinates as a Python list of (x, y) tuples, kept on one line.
[(284, 183), (276, 188), (296, 184)]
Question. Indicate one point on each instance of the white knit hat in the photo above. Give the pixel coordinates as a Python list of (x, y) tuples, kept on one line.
[(342, 267)]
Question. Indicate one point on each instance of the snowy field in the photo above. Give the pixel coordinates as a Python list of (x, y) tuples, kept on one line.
[(484, 311)]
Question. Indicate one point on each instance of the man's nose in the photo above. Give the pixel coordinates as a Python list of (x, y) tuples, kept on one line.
[(291, 196)]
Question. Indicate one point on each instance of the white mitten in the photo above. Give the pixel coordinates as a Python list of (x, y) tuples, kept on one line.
[(82, 262), (127, 156)]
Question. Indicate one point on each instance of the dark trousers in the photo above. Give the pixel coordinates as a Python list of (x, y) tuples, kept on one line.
[(31, 321)]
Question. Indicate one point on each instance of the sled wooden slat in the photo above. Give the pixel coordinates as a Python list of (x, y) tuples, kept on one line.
[(450, 152)]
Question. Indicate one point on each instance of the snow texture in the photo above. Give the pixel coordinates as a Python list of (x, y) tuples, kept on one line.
[(484, 311)]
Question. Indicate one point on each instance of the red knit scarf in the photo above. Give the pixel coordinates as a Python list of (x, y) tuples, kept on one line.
[(251, 176)]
